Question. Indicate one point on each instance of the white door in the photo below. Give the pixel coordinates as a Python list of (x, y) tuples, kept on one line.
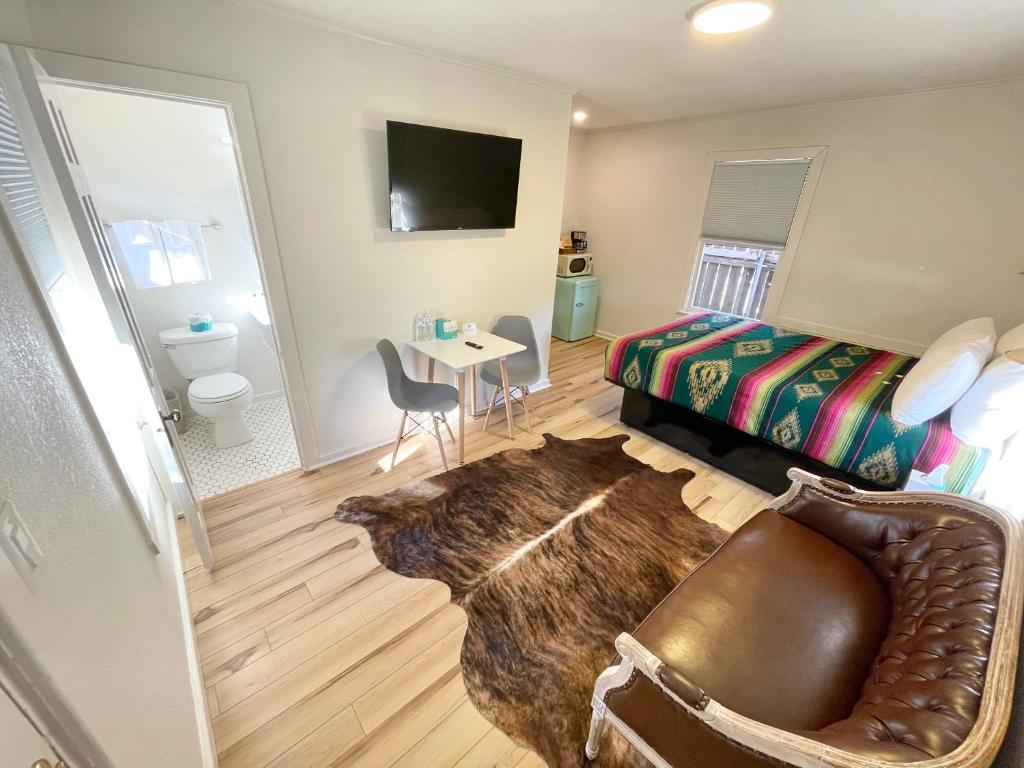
[(23, 747), (51, 213), (181, 481)]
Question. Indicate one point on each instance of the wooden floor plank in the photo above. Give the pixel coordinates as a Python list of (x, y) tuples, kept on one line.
[(304, 720), (256, 694), (494, 750), (315, 655), (324, 746), (448, 741), (402, 732), (378, 705)]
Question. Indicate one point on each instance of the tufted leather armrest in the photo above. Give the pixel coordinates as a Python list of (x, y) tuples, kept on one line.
[(926, 677), (942, 565)]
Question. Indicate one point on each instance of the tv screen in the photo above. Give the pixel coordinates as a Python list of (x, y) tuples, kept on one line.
[(445, 179)]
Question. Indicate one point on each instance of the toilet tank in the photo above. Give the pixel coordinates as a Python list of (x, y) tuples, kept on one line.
[(203, 353)]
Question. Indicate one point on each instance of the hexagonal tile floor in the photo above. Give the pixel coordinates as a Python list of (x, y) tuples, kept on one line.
[(271, 452)]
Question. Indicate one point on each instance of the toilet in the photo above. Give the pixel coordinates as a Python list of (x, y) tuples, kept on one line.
[(207, 359)]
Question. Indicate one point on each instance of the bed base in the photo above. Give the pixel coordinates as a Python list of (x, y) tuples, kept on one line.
[(758, 462)]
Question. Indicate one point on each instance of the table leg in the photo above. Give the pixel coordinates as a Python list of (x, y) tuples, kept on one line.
[(508, 396), (460, 377), (472, 390), (430, 369)]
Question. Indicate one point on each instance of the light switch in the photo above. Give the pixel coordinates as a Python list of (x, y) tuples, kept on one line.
[(17, 543)]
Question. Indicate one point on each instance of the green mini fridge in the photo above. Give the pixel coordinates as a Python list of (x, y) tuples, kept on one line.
[(575, 307)]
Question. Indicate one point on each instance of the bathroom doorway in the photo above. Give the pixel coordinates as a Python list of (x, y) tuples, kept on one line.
[(164, 180), (161, 175)]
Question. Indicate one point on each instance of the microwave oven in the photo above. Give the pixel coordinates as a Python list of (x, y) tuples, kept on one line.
[(575, 264)]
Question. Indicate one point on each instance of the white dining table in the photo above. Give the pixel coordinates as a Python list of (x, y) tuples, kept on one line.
[(461, 357)]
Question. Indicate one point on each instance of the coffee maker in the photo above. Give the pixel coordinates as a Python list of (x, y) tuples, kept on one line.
[(579, 240)]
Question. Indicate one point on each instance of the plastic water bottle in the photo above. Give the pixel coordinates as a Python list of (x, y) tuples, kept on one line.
[(419, 327)]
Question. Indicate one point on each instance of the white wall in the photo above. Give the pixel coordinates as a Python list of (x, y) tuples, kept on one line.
[(916, 223), (105, 620), (321, 100), (158, 160), (572, 202)]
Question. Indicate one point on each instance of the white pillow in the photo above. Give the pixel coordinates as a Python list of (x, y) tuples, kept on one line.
[(1011, 340), (992, 411), (945, 371)]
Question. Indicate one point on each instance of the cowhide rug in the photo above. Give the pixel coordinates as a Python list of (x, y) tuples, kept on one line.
[(552, 553)]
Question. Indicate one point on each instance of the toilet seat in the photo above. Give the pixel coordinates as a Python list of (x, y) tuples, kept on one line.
[(218, 388)]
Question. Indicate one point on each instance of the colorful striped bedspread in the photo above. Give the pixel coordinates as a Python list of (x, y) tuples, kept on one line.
[(826, 399)]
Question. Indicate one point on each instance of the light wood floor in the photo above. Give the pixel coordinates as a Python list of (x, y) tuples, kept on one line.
[(314, 655)]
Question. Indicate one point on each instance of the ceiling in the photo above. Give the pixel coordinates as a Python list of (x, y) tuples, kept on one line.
[(639, 61)]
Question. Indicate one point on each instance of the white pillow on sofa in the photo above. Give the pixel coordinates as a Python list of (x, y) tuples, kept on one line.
[(1011, 340), (945, 371), (992, 411)]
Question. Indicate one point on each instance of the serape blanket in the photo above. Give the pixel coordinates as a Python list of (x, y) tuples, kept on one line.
[(827, 399)]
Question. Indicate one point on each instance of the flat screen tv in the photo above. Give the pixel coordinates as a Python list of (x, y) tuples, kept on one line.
[(445, 179)]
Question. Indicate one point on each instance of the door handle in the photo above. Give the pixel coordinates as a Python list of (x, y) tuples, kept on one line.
[(579, 304), (174, 415), (44, 763)]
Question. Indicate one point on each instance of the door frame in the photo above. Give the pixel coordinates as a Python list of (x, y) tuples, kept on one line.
[(31, 691), (233, 98)]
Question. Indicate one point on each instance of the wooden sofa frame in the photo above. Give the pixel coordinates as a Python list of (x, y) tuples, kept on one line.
[(978, 750)]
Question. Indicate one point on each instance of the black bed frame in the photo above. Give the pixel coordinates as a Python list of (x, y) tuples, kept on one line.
[(747, 457)]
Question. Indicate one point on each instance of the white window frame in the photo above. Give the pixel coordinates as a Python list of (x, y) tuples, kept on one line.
[(773, 302), (161, 235)]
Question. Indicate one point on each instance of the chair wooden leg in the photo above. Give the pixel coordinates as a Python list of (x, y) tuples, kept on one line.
[(525, 392), (594, 737), (440, 444), (508, 395), (447, 426), (401, 434), (494, 399)]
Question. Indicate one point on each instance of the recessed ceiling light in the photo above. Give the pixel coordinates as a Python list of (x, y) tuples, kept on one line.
[(227, 140), (579, 116), (721, 17)]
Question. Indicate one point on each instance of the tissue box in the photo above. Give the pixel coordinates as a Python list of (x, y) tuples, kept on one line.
[(446, 329), (200, 321)]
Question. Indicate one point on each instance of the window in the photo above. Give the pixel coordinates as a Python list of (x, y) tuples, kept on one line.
[(749, 213), (734, 279), (162, 253)]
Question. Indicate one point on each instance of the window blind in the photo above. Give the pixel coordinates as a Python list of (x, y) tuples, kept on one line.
[(24, 201), (754, 201)]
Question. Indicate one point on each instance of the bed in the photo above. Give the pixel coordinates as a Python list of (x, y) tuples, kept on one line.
[(756, 399)]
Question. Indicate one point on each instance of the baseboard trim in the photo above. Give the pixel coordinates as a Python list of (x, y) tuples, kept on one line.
[(207, 744), (828, 331), (268, 395), (606, 335), (352, 450), (846, 334), (368, 445)]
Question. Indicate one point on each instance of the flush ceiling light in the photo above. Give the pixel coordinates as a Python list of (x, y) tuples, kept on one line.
[(579, 116), (720, 17)]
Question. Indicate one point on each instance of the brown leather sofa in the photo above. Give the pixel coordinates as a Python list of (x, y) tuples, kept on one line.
[(837, 628)]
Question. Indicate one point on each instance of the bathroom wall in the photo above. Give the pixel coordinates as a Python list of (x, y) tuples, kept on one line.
[(155, 159)]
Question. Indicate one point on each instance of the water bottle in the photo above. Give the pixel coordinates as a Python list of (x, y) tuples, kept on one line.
[(428, 324), (419, 327)]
